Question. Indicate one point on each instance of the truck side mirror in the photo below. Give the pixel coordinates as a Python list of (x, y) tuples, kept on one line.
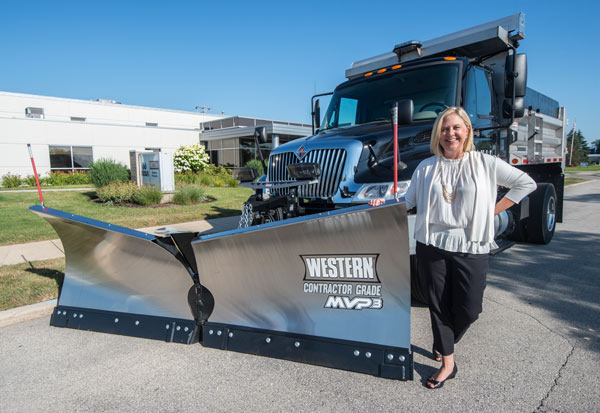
[(406, 109), (518, 76), (317, 116), (515, 79), (260, 134), (518, 105)]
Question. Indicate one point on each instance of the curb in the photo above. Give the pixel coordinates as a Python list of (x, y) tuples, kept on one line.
[(26, 313)]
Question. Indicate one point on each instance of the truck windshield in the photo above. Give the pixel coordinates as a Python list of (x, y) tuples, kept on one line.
[(432, 89)]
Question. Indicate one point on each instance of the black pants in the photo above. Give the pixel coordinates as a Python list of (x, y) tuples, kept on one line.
[(455, 283)]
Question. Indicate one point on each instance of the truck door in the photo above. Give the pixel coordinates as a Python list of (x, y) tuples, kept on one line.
[(478, 103)]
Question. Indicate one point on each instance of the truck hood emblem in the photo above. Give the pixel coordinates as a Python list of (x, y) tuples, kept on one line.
[(300, 152)]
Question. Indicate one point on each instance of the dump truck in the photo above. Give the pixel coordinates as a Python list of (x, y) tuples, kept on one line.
[(349, 159), (313, 274)]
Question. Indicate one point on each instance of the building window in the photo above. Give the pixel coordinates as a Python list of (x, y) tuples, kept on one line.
[(70, 158), (77, 119), (154, 124), (36, 113)]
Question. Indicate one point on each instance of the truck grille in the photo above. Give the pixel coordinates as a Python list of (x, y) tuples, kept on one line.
[(332, 166)]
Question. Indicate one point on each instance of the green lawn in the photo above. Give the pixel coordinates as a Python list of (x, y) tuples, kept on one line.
[(571, 181), (44, 188), (19, 225), (589, 168), (24, 284)]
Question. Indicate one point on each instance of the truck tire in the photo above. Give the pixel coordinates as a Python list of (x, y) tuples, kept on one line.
[(542, 214), (418, 285)]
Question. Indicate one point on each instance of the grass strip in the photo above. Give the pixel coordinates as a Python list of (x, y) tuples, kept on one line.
[(46, 188), (573, 169), (572, 181), (30, 283), (19, 225)]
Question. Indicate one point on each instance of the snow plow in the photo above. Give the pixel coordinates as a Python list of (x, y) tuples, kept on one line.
[(330, 289)]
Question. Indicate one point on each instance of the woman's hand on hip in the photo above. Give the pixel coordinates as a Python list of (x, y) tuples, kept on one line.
[(502, 205)]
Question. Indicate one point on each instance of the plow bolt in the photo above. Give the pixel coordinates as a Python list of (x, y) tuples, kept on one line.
[(186, 329), (390, 357), (178, 328), (268, 340), (230, 334), (401, 358), (297, 344), (116, 320), (356, 353), (137, 323), (167, 326), (211, 332), (368, 354), (219, 333)]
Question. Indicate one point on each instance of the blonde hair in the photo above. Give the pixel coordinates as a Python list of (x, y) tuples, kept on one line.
[(434, 145)]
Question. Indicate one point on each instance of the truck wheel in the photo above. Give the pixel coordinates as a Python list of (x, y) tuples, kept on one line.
[(418, 285), (542, 214)]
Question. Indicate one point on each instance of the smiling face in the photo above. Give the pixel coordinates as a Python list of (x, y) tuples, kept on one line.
[(454, 133)]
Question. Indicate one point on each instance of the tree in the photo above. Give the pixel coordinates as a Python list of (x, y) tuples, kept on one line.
[(580, 149)]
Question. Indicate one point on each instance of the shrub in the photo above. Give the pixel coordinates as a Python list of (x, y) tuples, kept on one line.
[(255, 163), (206, 180), (11, 181), (117, 192), (80, 178), (186, 178), (218, 182), (190, 158), (232, 182), (147, 195), (67, 178), (58, 178), (106, 171), (189, 194), (215, 170), (29, 180)]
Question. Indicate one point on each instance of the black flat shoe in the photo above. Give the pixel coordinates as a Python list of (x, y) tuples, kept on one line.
[(437, 356), (435, 384)]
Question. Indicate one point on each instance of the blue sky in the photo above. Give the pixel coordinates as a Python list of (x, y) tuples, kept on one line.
[(267, 58)]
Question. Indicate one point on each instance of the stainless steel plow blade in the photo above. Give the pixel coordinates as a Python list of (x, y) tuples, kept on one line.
[(331, 289), (120, 281)]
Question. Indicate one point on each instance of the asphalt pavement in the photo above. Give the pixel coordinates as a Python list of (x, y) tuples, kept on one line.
[(536, 347)]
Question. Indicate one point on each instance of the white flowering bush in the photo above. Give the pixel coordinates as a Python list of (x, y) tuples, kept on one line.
[(191, 158)]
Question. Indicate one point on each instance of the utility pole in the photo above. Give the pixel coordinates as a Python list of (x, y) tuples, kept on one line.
[(572, 140)]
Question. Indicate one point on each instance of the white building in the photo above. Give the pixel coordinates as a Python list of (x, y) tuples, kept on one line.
[(66, 134)]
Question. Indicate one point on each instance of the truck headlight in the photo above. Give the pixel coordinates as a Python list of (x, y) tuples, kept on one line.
[(383, 190)]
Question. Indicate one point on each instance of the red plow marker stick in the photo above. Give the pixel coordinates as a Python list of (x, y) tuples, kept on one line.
[(37, 181), (395, 122)]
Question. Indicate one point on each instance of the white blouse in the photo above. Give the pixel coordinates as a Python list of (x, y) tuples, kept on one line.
[(467, 226), (450, 222)]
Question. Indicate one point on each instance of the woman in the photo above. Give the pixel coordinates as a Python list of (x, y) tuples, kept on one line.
[(455, 194)]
